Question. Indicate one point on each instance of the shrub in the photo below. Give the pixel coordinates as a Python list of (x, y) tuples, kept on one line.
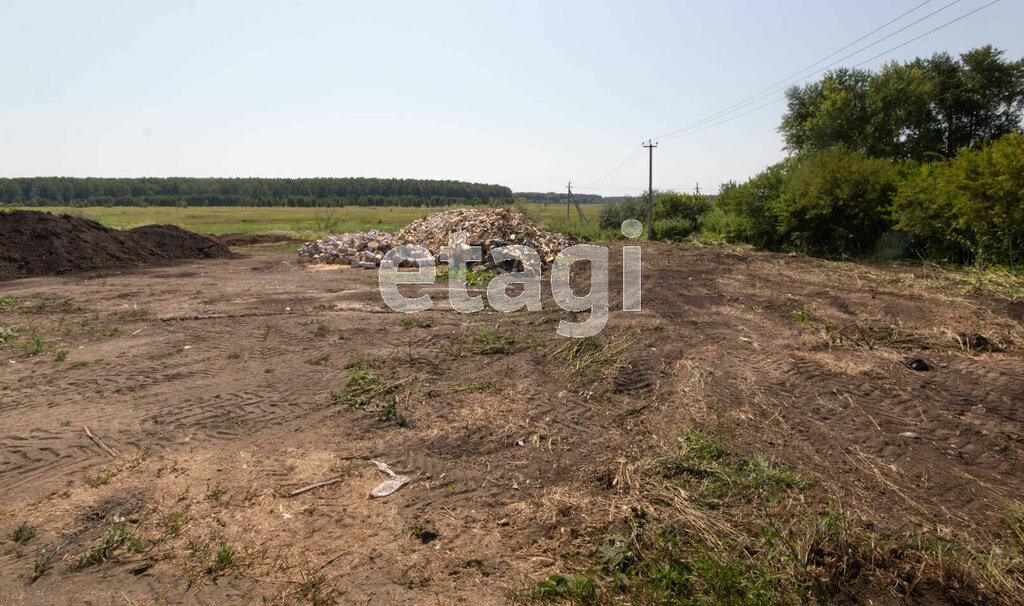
[(969, 208), (836, 203), (749, 210), (612, 215), (680, 206), (674, 229)]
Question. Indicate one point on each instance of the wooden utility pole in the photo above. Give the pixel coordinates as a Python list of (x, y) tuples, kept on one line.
[(650, 188), (568, 202), (576, 204)]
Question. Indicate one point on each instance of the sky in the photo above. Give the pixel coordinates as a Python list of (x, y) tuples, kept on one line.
[(525, 94)]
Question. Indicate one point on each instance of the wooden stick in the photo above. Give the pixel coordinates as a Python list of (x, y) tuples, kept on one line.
[(106, 449), (315, 486)]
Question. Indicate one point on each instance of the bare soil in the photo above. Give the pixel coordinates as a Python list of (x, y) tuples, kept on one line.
[(212, 381)]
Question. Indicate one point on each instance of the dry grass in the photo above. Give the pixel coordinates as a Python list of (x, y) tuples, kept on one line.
[(730, 529)]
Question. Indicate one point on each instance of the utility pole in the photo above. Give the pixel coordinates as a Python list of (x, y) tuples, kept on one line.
[(579, 210), (697, 191), (650, 188), (568, 202)]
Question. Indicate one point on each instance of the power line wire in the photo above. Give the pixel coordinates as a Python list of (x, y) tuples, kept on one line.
[(772, 87), (915, 39)]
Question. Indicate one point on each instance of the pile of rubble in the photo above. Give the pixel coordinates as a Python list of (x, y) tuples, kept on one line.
[(437, 233), (357, 249)]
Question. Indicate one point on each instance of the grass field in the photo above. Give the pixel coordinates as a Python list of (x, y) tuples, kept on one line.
[(300, 223)]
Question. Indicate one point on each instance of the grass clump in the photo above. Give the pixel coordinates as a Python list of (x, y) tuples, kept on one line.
[(223, 560), (489, 342), (470, 277), (582, 357), (23, 533), (165, 355), (7, 333), (320, 360), (702, 460), (8, 300), (369, 391), (316, 591), (113, 540), (35, 345), (41, 564), (475, 387), (734, 530)]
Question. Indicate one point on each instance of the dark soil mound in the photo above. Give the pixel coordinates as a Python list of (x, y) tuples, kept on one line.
[(36, 243)]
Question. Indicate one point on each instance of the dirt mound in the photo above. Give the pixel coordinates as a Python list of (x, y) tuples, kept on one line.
[(36, 243)]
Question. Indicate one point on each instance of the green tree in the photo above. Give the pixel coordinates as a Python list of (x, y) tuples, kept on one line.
[(969, 208), (921, 110), (836, 203)]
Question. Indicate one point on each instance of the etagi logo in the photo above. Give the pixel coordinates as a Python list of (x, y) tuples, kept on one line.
[(528, 263)]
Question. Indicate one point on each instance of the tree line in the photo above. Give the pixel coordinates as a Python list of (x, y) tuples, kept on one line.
[(187, 191), (922, 159)]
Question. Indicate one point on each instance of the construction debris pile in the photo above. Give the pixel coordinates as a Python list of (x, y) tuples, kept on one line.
[(438, 233), (358, 249)]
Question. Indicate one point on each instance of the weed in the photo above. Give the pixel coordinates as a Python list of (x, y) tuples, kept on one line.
[(115, 538), (558, 587), (9, 300), (35, 345), (407, 322), (80, 364), (61, 355), (478, 387), (801, 315), (42, 563), (173, 523), (488, 341), (316, 591), (234, 355), (320, 360), (7, 333), (702, 460), (23, 533), (321, 331), (110, 332), (215, 493), (1015, 520), (101, 479), (367, 390), (470, 277), (582, 357), (164, 356), (223, 560), (135, 313)]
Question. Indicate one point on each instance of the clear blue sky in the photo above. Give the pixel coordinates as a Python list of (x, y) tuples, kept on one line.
[(526, 94)]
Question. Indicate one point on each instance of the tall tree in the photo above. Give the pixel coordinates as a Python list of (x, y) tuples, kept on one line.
[(919, 110)]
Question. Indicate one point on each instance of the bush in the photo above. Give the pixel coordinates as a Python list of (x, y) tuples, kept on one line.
[(612, 215), (748, 211), (674, 229), (836, 203), (969, 208), (723, 226), (686, 207)]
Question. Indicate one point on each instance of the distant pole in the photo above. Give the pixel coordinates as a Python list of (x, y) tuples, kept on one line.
[(568, 201), (698, 188), (650, 188)]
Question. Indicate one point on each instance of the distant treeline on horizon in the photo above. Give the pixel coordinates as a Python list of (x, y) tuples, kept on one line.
[(255, 191)]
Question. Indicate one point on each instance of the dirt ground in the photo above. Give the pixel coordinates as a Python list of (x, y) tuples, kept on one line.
[(212, 380)]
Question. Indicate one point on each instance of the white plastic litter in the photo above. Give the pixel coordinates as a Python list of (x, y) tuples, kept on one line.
[(388, 486)]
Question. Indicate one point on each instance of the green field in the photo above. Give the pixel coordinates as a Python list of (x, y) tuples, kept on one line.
[(300, 223)]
